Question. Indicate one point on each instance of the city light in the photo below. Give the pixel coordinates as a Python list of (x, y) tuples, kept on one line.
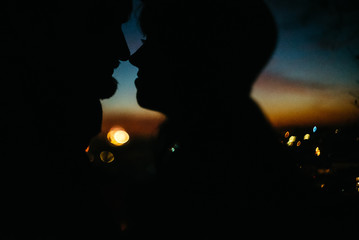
[(315, 129), (323, 170), (291, 140), (107, 157), (117, 136), (340, 145), (286, 135), (306, 136)]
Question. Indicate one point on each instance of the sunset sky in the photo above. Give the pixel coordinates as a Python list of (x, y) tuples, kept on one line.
[(312, 78)]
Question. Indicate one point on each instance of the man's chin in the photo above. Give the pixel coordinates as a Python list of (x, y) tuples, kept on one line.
[(149, 103)]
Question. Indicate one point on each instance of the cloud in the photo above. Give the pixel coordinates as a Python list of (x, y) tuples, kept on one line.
[(335, 22), (280, 83)]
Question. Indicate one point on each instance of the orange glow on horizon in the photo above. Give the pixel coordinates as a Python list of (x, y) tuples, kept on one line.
[(287, 102)]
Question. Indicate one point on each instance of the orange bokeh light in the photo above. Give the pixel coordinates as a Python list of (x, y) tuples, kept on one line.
[(117, 136)]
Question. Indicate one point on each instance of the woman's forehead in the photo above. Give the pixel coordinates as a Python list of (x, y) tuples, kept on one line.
[(78, 13), (121, 7)]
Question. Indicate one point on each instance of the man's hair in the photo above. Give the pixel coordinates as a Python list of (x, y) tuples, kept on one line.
[(225, 32)]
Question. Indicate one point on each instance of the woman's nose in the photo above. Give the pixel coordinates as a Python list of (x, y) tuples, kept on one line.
[(123, 50), (135, 59)]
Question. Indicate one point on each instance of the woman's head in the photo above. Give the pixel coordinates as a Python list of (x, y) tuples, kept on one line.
[(80, 41), (198, 50), (59, 60)]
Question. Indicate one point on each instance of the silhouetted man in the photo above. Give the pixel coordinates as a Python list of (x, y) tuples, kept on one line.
[(219, 165)]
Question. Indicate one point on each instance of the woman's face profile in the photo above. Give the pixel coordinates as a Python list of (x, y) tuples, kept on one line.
[(70, 54)]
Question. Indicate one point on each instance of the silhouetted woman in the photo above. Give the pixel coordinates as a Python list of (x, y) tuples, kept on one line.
[(56, 62), (217, 158)]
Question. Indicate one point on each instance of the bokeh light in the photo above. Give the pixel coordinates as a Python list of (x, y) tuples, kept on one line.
[(107, 157), (315, 129), (117, 136), (291, 140), (286, 135), (317, 151), (306, 136)]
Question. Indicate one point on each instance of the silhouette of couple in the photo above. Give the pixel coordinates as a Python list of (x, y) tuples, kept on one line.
[(216, 159)]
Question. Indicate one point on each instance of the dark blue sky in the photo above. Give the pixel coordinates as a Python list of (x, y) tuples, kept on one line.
[(311, 77)]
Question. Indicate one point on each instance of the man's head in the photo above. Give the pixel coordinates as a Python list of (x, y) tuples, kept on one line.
[(201, 49)]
